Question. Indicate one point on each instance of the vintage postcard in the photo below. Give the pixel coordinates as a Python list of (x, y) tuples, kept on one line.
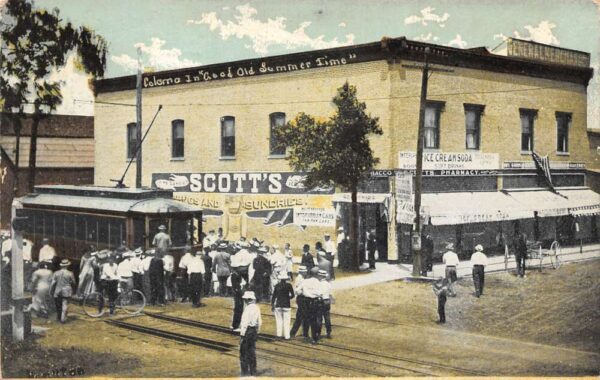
[(385, 188)]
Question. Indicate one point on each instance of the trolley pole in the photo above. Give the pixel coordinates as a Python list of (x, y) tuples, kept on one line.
[(416, 238), (138, 127)]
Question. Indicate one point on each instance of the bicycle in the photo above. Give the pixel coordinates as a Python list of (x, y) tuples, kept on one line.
[(131, 300), (553, 253)]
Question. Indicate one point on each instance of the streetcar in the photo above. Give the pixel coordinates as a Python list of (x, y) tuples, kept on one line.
[(74, 218)]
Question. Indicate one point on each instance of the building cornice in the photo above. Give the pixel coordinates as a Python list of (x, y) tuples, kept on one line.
[(389, 49)]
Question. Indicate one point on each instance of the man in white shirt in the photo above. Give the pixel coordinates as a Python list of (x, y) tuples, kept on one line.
[(184, 285), (136, 263), (330, 248), (125, 272), (478, 261), (450, 259), (324, 305), (289, 260), (310, 289), (110, 282), (249, 328), (169, 267), (300, 301), (195, 270), (47, 252)]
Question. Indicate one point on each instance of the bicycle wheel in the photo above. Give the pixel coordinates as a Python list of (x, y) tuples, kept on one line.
[(93, 304), (555, 251), (132, 302), (556, 262)]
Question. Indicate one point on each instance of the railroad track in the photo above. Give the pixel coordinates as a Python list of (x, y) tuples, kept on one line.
[(381, 364)]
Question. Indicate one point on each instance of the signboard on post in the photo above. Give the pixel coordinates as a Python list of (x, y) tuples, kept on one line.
[(314, 216), (404, 187)]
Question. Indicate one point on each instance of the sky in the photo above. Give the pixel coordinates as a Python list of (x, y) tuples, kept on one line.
[(183, 33)]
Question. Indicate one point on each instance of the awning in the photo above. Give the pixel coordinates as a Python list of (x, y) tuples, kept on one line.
[(570, 202), (472, 207)]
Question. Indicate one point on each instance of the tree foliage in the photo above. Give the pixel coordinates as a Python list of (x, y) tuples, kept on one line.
[(33, 43), (335, 150)]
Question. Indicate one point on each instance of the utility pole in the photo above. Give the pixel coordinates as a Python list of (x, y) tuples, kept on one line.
[(416, 240), (138, 127)]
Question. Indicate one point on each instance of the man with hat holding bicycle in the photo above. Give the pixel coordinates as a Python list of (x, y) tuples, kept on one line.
[(249, 328), (62, 286), (110, 282)]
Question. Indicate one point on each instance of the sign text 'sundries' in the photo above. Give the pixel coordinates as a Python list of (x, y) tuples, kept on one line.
[(247, 70)]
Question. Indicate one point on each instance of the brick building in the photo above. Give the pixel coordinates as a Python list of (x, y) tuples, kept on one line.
[(65, 155), (485, 115)]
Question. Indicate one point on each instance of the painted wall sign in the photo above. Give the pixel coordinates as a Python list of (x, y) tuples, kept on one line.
[(236, 183), (436, 173), (553, 165), (313, 216), (451, 161), (248, 69)]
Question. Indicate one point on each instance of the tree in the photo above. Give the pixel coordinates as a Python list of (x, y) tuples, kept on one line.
[(334, 151), (34, 43)]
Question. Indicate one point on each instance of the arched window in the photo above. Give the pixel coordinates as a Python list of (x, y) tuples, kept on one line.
[(276, 120), (177, 136), (228, 136)]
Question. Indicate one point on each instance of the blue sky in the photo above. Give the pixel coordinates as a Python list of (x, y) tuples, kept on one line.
[(184, 33)]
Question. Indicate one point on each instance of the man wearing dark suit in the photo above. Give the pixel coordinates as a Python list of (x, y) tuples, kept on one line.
[(307, 258), (262, 274)]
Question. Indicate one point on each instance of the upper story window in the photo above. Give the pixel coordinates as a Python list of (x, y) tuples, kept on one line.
[(431, 137), (473, 114), (527, 119), (276, 120), (131, 140), (177, 135), (228, 136), (563, 124)]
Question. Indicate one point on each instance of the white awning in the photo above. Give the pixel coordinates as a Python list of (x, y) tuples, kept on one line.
[(472, 207), (569, 202)]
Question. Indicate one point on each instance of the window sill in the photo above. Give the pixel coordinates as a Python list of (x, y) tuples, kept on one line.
[(227, 158), (177, 158), (431, 150), (276, 156), (525, 153), (563, 153)]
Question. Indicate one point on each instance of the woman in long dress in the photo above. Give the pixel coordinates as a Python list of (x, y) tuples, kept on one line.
[(86, 275), (41, 280)]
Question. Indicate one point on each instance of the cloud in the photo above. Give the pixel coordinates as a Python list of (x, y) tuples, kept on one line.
[(78, 98), (426, 37), (155, 56), (265, 34), (426, 16), (541, 33), (342, 24), (458, 42)]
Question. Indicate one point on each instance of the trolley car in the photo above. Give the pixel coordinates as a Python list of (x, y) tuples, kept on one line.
[(75, 217)]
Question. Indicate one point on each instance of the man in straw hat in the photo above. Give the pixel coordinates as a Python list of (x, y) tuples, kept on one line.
[(450, 259), (162, 241), (324, 310), (301, 310), (280, 305), (262, 274), (310, 289), (478, 261), (63, 284), (249, 328)]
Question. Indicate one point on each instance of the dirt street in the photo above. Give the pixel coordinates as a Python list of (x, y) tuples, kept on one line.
[(545, 324)]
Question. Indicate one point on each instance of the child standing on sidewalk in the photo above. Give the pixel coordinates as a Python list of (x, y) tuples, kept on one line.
[(441, 290)]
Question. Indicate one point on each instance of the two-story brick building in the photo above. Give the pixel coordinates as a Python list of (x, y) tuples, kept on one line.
[(485, 115)]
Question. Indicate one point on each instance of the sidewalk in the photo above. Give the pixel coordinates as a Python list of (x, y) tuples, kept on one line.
[(390, 272)]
